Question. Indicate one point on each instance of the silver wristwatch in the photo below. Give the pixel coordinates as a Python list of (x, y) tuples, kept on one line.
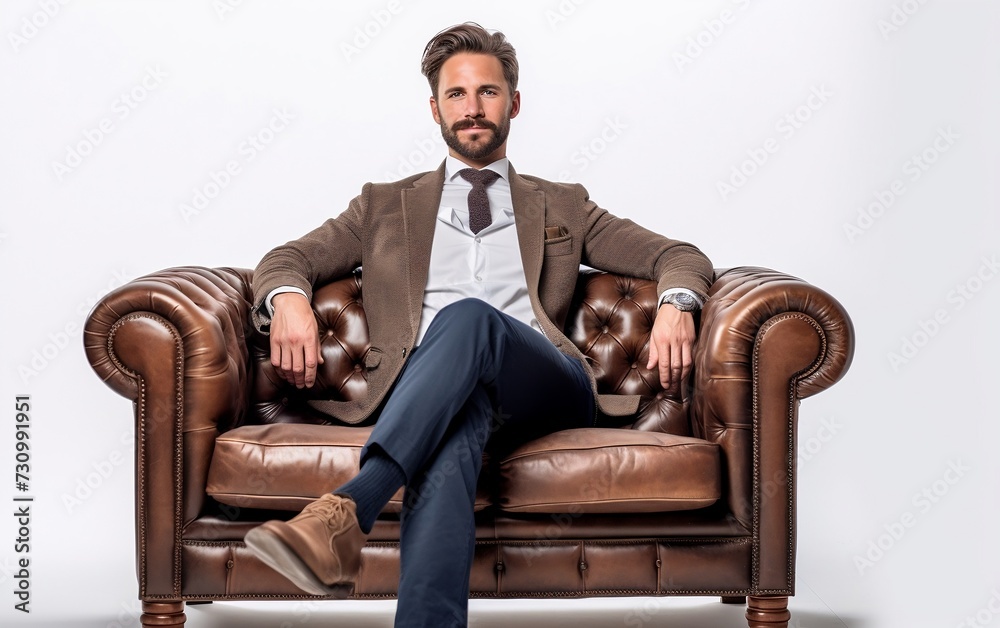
[(682, 301)]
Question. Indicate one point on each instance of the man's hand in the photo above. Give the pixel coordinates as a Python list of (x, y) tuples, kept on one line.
[(294, 339), (670, 344)]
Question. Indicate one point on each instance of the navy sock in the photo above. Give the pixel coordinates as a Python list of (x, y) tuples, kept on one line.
[(379, 479)]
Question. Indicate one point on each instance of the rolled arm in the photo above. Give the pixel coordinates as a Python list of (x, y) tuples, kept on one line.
[(743, 302), (209, 309), (766, 341), (174, 342)]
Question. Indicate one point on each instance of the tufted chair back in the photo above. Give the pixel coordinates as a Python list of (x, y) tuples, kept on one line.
[(610, 322)]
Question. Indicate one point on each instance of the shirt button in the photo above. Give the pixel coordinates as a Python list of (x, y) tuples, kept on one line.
[(479, 278), (478, 239)]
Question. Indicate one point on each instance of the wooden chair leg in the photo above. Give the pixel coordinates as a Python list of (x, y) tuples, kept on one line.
[(768, 612), (162, 614)]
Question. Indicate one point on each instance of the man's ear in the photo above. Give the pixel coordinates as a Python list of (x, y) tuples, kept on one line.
[(515, 104), (434, 110)]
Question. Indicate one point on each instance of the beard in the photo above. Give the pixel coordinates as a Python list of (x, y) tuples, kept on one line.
[(476, 150)]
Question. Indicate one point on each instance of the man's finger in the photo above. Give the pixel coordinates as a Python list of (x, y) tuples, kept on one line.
[(275, 353), (311, 357), (665, 366), (686, 359), (295, 367), (286, 364)]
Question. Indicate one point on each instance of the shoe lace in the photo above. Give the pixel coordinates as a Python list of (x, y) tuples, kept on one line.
[(333, 513)]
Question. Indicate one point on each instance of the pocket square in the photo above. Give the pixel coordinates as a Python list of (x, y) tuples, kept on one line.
[(555, 231)]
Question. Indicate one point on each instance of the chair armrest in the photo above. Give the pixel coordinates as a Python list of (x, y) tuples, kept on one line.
[(174, 342), (766, 341), (742, 300), (208, 307)]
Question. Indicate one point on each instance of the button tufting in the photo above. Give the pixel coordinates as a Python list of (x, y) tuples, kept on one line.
[(635, 365), (604, 329), (583, 565), (499, 566)]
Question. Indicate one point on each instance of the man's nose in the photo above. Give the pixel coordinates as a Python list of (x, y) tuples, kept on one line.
[(473, 107)]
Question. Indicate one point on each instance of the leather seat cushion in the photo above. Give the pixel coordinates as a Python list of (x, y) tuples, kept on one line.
[(610, 470), (591, 470), (284, 466)]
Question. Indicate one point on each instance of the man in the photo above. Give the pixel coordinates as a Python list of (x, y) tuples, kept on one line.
[(468, 276)]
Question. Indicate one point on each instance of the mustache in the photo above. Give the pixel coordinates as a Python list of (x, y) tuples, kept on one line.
[(468, 123)]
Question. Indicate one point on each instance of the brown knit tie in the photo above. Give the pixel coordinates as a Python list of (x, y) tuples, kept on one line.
[(479, 203)]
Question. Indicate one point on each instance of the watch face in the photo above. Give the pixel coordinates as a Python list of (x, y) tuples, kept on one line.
[(683, 301)]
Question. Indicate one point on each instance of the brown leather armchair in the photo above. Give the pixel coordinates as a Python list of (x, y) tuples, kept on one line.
[(695, 495)]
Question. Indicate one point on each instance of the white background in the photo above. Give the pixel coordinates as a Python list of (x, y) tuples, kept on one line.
[(667, 98)]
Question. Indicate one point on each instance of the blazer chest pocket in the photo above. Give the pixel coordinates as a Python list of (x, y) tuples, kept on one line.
[(557, 241)]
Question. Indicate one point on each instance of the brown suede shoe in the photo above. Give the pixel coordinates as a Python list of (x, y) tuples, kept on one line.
[(319, 549)]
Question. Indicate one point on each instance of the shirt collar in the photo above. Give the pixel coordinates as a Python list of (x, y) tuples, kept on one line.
[(450, 216), (452, 165)]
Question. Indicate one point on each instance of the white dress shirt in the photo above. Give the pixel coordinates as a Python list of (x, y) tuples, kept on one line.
[(486, 265)]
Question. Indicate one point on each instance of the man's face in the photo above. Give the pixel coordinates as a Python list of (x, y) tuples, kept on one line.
[(474, 106)]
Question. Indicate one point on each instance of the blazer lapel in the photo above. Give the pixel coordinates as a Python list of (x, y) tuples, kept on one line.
[(529, 217), (420, 207)]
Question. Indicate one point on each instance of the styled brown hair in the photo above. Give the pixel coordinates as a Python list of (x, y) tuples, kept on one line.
[(467, 37)]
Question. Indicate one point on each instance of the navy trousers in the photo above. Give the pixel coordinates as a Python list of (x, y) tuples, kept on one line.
[(478, 378)]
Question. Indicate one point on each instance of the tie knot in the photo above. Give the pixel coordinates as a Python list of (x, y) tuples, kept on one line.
[(478, 178)]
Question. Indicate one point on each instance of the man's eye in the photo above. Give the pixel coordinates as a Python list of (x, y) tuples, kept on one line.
[(489, 92)]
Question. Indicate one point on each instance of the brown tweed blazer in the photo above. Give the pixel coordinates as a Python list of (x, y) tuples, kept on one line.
[(389, 228)]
